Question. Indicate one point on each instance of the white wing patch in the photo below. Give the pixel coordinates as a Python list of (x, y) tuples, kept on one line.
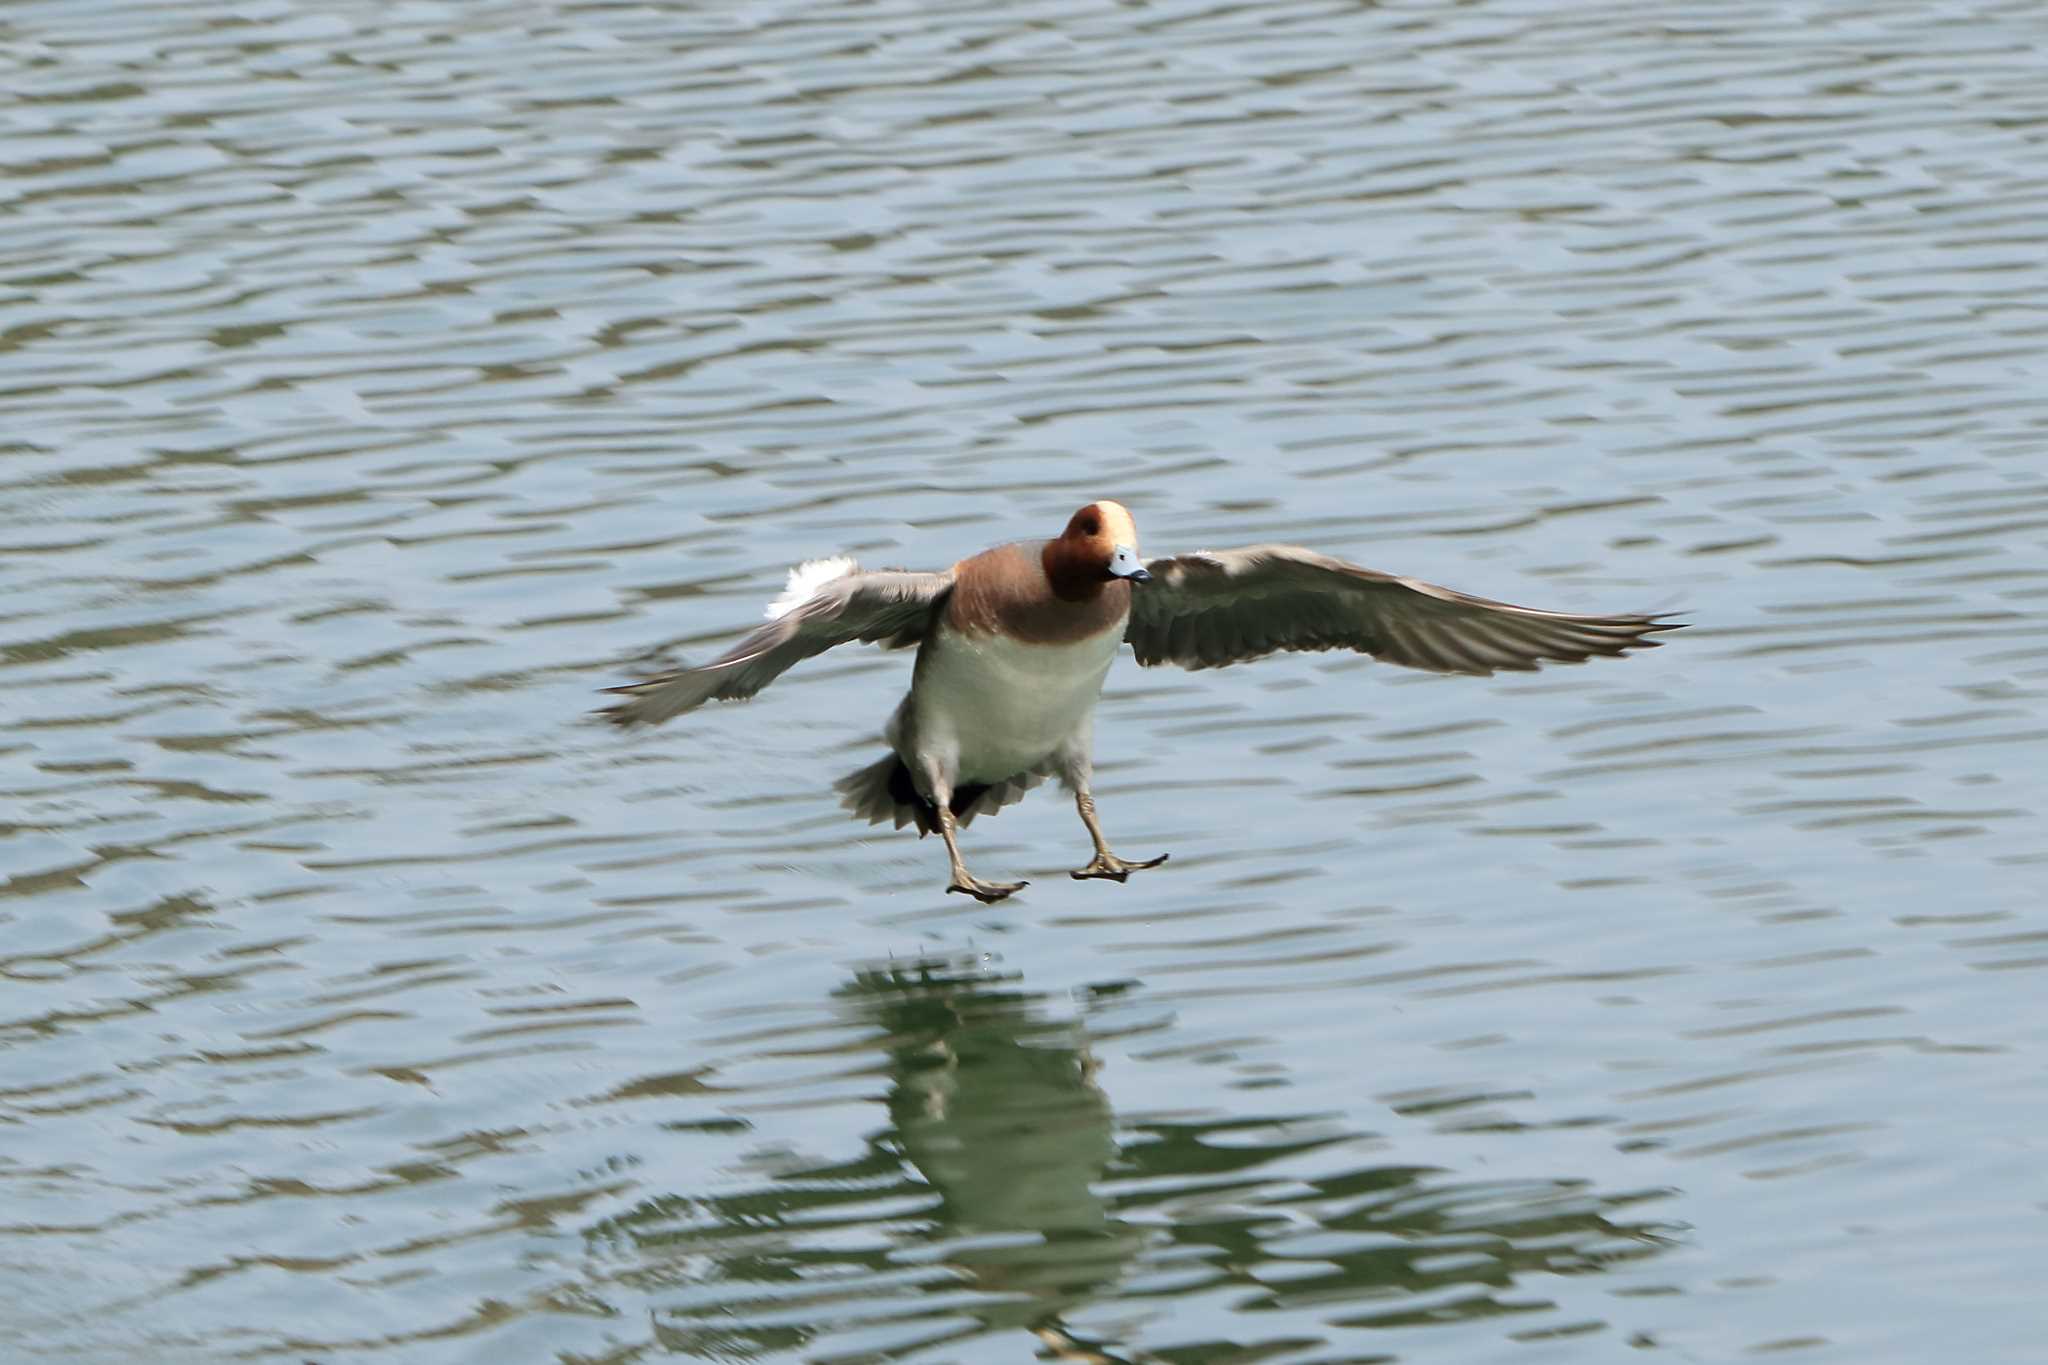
[(805, 580)]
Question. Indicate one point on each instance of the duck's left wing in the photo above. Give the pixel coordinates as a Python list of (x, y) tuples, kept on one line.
[(1221, 607)]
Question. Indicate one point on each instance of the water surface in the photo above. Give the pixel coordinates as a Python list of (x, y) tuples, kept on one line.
[(382, 379)]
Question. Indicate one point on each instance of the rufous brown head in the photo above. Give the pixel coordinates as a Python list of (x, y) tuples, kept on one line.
[(1100, 545)]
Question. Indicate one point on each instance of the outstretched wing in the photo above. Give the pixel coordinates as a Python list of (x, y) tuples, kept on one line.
[(1222, 607), (891, 605)]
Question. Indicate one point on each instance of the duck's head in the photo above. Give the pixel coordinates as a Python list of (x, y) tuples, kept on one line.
[(1099, 546)]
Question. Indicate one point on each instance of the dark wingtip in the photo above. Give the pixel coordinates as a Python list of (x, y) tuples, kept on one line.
[(623, 714), (1652, 627), (1651, 623)]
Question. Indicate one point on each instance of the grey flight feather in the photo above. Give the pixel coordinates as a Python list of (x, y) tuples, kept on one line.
[(893, 606), (1222, 607)]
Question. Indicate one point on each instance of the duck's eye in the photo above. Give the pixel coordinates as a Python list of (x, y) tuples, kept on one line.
[(1091, 527)]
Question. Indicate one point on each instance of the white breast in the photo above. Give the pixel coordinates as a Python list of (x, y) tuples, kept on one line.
[(997, 708)]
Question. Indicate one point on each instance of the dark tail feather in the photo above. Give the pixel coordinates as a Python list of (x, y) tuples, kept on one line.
[(884, 790)]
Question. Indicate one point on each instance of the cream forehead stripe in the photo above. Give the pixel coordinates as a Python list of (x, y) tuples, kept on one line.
[(1117, 524)]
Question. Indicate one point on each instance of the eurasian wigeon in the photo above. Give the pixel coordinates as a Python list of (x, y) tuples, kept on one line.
[(1013, 644)]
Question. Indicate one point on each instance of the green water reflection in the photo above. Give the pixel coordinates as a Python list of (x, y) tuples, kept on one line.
[(1005, 1196)]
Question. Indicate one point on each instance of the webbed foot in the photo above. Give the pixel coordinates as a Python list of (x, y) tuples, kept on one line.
[(1113, 868), (988, 893)]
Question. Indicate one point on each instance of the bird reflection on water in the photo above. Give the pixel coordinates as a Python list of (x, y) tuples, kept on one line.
[(994, 1108), (1005, 1196), (999, 1110)]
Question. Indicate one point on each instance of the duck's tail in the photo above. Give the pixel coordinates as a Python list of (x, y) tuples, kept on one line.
[(884, 791)]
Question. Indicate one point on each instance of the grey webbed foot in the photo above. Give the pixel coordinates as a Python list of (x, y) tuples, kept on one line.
[(1113, 868), (988, 893)]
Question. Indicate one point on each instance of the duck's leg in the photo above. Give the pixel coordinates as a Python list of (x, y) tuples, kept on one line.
[(965, 882), (1077, 770), (1106, 864)]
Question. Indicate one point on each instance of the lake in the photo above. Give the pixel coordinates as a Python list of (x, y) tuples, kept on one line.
[(382, 380)]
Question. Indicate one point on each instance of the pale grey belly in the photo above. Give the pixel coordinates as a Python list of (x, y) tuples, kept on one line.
[(986, 709)]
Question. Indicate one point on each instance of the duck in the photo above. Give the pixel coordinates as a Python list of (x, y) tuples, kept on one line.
[(1013, 644)]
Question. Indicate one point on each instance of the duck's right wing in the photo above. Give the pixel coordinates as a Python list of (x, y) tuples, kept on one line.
[(895, 606)]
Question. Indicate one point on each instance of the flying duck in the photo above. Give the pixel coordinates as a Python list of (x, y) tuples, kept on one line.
[(1013, 645)]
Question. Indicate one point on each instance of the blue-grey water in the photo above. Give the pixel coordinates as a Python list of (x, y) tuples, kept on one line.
[(380, 379)]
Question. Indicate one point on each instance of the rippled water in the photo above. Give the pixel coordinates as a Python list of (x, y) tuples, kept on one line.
[(383, 378)]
